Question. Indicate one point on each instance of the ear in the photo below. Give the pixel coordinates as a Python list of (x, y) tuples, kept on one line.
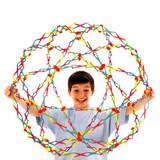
[(69, 92), (93, 92)]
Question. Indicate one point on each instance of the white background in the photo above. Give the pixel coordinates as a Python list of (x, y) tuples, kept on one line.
[(24, 21)]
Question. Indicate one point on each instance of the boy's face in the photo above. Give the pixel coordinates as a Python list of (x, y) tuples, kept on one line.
[(81, 94)]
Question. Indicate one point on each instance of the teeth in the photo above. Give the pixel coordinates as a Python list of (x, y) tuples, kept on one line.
[(81, 99)]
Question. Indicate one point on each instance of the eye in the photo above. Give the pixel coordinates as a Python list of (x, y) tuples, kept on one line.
[(76, 90), (86, 90)]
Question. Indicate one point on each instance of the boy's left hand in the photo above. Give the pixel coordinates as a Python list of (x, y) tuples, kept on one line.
[(150, 93)]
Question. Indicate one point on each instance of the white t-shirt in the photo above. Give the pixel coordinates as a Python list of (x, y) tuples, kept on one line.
[(90, 141)]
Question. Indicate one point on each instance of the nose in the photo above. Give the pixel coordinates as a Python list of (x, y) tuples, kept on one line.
[(81, 93)]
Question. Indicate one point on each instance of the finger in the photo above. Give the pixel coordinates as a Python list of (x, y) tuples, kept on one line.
[(153, 93), (8, 93), (152, 89), (5, 91), (9, 87)]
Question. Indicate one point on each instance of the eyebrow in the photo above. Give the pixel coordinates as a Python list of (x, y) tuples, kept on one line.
[(84, 87)]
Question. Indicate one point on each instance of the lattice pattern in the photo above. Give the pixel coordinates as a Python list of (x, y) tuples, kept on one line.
[(21, 77)]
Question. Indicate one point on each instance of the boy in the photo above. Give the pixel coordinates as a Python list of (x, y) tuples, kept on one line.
[(81, 89)]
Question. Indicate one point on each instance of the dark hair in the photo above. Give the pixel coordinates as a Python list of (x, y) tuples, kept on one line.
[(80, 77)]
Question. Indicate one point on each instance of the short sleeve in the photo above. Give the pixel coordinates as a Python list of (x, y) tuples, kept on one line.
[(122, 119), (47, 118)]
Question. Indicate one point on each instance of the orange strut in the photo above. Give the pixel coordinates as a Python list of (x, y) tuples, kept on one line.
[(97, 124), (80, 154), (47, 89)]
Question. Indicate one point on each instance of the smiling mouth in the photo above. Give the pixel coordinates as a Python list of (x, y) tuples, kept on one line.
[(81, 100)]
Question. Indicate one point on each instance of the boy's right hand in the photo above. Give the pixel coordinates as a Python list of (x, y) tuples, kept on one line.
[(33, 110), (7, 92)]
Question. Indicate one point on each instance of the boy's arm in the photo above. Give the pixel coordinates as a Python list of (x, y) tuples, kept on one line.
[(32, 110), (140, 104)]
